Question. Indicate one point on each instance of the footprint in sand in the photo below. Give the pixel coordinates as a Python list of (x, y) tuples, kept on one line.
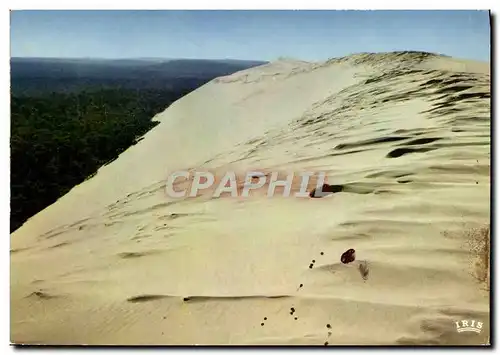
[(363, 269), (133, 255), (41, 295), (145, 298), (312, 264), (329, 334), (349, 256)]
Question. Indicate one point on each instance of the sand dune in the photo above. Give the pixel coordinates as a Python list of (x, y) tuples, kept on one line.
[(406, 135)]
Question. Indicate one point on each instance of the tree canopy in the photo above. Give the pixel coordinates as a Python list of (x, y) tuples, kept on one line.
[(60, 139)]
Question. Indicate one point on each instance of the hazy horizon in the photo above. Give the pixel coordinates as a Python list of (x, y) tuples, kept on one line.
[(263, 35), (138, 58)]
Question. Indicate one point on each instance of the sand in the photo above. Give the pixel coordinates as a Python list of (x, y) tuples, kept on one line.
[(116, 261)]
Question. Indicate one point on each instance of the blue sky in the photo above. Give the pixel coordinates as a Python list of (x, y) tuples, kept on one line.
[(260, 35)]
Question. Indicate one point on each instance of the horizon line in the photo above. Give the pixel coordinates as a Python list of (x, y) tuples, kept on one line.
[(279, 58)]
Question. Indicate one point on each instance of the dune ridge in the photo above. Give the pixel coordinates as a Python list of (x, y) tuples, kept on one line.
[(406, 135)]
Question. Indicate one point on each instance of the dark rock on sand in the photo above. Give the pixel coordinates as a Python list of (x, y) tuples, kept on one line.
[(325, 190), (348, 257)]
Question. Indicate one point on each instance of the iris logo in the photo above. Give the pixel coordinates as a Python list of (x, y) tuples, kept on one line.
[(469, 325)]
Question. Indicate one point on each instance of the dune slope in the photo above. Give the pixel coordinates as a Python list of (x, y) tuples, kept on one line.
[(407, 135)]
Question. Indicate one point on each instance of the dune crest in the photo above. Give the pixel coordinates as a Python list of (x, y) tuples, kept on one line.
[(405, 134)]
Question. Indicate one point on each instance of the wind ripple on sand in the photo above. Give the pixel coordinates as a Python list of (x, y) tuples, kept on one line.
[(407, 137)]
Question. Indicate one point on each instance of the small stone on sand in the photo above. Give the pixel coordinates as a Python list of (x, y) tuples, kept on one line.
[(348, 256)]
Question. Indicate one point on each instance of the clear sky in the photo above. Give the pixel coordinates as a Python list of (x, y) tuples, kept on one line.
[(260, 35)]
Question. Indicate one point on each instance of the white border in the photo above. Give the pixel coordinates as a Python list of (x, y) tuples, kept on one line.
[(185, 4), (257, 4), (5, 177)]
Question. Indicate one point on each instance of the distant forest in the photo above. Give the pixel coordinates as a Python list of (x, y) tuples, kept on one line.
[(68, 118)]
